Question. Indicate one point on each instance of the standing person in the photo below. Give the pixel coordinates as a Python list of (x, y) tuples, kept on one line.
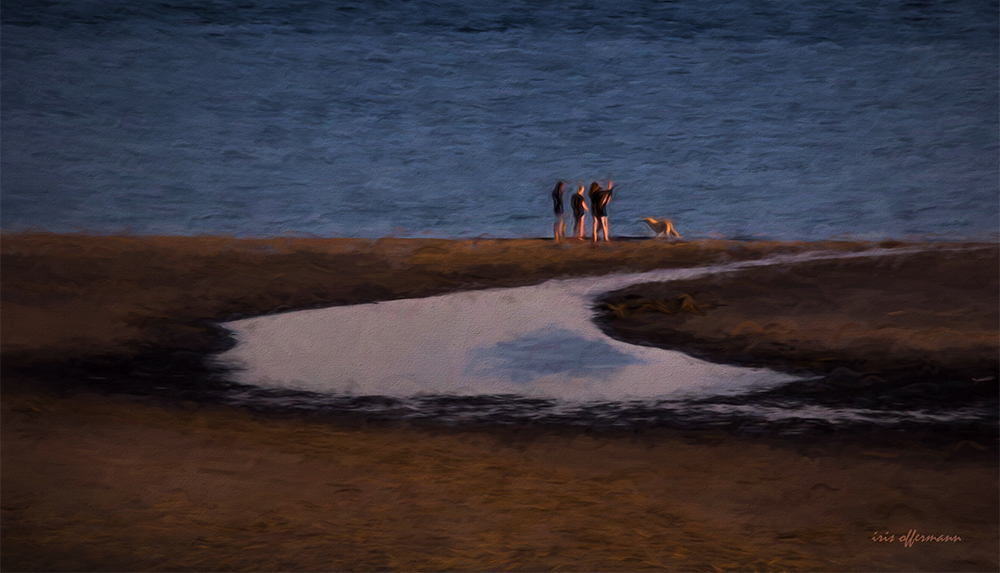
[(559, 227), (605, 200), (599, 199), (595, 189), (580, 209)]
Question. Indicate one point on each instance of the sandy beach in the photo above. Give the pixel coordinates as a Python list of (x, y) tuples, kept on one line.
[(77, 295), (101, 472), (932, 309), (874, 328)]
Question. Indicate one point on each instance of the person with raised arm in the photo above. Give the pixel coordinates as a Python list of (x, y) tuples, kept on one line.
[(599, 200), (595, 187)]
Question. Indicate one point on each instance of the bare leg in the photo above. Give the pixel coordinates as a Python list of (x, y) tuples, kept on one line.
[(578, 226), (597, 227), (606, 226)]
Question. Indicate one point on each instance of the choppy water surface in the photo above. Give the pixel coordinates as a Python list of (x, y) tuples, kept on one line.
[(780, 119), (521, 355)]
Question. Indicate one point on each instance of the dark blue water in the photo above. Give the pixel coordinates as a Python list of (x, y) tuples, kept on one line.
[(786, 119)]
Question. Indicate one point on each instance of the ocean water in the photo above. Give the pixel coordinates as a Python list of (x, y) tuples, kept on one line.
[(776, 119)]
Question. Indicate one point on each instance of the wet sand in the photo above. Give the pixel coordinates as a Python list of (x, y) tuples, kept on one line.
[(936, 308), (97, 483), (867, 325), (79, 295), (100, 477)]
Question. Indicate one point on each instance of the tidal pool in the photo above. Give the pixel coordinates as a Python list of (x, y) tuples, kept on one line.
[(533, 341), (512, 355)]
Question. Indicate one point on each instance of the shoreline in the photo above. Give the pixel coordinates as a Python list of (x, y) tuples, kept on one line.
[(171, 365), (102, 471), (161, 325), (71, 295)]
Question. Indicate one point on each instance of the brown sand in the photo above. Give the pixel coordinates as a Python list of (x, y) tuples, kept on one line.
[(933, 310), (76, 295), (93, 482)]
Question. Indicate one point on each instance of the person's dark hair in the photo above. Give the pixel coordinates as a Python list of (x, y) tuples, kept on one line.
[(557, 198)]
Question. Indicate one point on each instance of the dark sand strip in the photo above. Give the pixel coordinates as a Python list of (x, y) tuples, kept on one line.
[(926, 324)]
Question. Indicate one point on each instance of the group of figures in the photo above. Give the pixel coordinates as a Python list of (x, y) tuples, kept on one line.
[(600, 197)]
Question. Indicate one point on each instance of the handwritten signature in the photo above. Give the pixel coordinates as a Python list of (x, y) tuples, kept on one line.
[(912, 537)]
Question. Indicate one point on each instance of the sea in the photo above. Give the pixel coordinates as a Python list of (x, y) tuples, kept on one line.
[(745, 119)]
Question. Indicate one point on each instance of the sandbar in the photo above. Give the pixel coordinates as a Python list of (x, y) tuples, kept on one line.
[(101, 472)]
